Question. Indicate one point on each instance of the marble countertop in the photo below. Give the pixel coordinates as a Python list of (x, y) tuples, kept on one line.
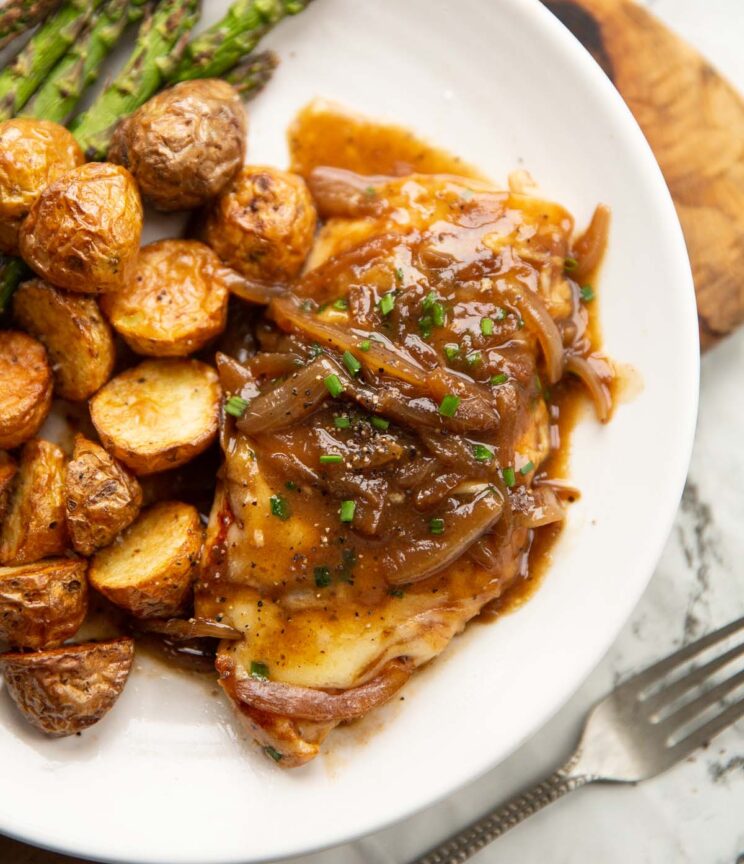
[(695, 812)]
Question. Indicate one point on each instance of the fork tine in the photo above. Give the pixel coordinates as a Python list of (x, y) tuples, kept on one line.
[(667, 695), (663, 667), (690, 711), (704, 733)]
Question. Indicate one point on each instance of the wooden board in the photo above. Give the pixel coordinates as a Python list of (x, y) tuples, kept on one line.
[(694, 121)]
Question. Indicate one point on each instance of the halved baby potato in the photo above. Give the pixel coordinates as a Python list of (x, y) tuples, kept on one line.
[(176, 300), (64, 690), (34, 527), (25, 387), (149, 571), (159, 414), (8, 471), (101, 497), (76, 335), (42, 604)]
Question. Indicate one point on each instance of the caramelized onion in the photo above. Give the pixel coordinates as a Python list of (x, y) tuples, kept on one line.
[(537, 507), (340, 192), (535, 314), (589, 248), (192, 628), (252, 290), (417, 559), (306, 703), (290, 401), (600, 394)]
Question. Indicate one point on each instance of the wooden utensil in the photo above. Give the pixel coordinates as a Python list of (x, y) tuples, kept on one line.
[(694, 121)]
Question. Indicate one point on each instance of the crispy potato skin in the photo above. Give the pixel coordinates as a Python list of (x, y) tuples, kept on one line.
[(34, 527), (77, 337), (150, 571), (101, 497), (33, 153), (62, 691), (25, 387), (158, 415), (176, 301), (184, 145), (42, 604), (83, 232), (263, 225), (8, 471)]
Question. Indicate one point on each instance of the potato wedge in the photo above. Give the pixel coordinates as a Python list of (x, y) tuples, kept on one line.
[(76, 335), (34, 527), (175, 303), (64, 690), (42, 604), (159, 414), (8, 471), (25, 387), (101, 497), (150, 570)]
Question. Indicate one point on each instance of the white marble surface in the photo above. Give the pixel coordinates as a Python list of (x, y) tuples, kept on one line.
[(695, 812)]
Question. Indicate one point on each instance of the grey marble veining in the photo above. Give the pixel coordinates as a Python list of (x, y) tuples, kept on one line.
[(695, 812)]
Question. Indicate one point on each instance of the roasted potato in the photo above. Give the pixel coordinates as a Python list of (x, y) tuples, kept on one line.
[(33, 153), (263, 224), (185, 145), (176, 301), (8, 471), (150, 570), (77, 337), (159, 414), (25, 387), (64, 690), (42, 604), (83, 232), (101, 497), (34, 527)]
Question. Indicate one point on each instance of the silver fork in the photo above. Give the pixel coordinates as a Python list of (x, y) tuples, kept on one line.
[(646, 725)]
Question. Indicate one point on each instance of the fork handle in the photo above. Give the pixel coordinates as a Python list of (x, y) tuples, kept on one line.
[(483, 831)]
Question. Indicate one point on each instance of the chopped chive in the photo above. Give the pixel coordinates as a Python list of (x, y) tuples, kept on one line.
[(333, 385), (430, 299), (474, 357), (396, 592), (509, 476), (279, 507), (525, 469), (331, 459), (437, 314), (259, 670), (449, 405), (451, 351), (379, 423), (538, 385), (587, 293), (351, 363), (346, 511), (306, 305), (322, 577), (486, 326), (291, 485), (316, 350), (273, 753), (399, 274), (482, 453), (500, 313), (436, 526), (570, 264), (341, 422), (520, 323), (499, 379), (341, 304), (387, 302), (235, 406), (425, 324), (364, 345)]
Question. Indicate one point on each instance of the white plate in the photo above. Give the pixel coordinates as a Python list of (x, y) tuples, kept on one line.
[(166, 777)]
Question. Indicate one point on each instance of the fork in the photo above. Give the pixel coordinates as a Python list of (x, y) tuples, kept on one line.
[(647, 724)]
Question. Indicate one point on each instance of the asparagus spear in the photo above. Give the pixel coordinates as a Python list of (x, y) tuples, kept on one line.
[(225, 43), (160, 42), (253, 74), (59, 95), (17, 16), (21, 78)]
